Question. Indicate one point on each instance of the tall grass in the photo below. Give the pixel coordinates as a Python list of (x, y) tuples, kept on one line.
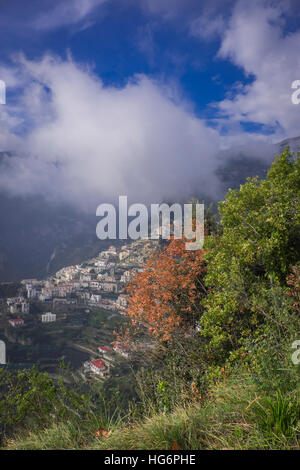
[(278, 415), (235, 416)]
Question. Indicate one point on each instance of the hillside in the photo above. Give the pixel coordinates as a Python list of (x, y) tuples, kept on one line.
[(39, 237), (248, 161), (216, 357)]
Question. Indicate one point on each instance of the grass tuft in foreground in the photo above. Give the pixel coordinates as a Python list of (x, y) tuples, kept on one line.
[(235, 416)]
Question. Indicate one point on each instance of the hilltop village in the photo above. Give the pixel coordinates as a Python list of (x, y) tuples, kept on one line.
[(69, 307)]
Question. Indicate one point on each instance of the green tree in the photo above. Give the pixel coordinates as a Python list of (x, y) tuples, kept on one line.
[(259, 244)]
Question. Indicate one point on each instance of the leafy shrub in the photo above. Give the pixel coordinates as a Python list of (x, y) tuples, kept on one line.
[(30, 399)]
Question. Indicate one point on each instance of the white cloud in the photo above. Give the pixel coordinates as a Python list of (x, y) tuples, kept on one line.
[(67, 12), (146, 43), (255, 40), (89, 142), (167, 8), (207, 26)]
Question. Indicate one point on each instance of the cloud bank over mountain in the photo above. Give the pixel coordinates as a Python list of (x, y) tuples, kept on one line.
[(87, 141)]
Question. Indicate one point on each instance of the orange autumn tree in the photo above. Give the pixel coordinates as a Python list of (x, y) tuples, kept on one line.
[(165, 296)]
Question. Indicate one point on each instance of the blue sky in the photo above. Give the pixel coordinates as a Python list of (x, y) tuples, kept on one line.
[(155, 84), (124, 39)]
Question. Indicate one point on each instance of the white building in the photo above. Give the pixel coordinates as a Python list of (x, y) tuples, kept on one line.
[(94, 284), (24, 307), (121, 349), (127, 276), (95, 298), (44, 297), (48, 317), (101, 263), (109, 287), (31, 292), (13, 308), (121, 302)]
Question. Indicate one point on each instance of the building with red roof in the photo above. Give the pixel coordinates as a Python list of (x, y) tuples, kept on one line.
[(104, 349), (98, 366), (16, 322)]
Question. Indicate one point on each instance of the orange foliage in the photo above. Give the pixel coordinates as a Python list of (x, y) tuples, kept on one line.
[(165, 297)]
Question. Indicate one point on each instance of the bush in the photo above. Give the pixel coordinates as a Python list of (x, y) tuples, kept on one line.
[(30, 399)]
